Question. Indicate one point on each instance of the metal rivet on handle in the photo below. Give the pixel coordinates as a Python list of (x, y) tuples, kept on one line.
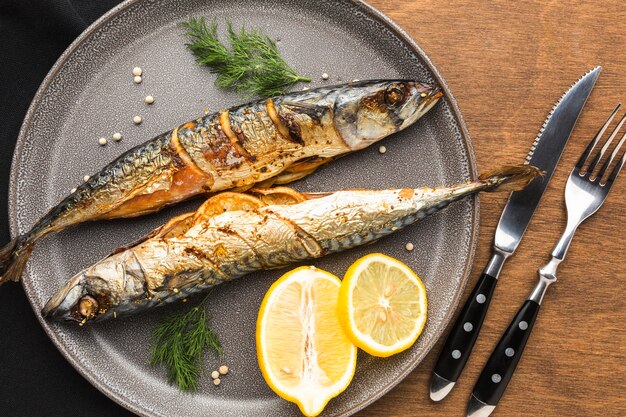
[(481, 298), (456, 354), (509, 352), (468, 327), (496, 378), (523, 325)]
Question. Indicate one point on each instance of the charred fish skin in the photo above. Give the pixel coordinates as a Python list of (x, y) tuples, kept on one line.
[(276, 140), (234, 243), (94, 199), (105, 193), (298, 132)]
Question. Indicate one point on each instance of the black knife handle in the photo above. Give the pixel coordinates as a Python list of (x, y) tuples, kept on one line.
[(460, 342), (503, 360)]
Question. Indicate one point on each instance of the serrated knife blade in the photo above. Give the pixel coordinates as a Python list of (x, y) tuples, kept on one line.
[(544, 154)]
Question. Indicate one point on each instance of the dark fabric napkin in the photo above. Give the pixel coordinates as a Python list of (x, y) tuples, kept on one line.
[(35, 380)]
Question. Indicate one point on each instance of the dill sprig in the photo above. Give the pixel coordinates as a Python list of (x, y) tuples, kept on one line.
[(252, 65), (178, 343)]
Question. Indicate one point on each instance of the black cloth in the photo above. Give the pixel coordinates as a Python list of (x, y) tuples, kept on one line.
[(35, 380)]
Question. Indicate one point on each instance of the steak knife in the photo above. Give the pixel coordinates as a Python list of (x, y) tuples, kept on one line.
[(544, 154)]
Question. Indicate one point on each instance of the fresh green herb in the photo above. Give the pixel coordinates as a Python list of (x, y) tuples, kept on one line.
[(178, 343), (252, 65)]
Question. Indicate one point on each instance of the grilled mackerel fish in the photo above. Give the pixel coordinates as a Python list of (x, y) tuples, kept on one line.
[(276, 140), (233, 234)]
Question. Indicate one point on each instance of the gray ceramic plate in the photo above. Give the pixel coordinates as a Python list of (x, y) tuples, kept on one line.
[(89, 93)]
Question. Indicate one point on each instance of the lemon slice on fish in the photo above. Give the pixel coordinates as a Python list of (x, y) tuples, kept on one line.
[(303, 353), (382, 305)]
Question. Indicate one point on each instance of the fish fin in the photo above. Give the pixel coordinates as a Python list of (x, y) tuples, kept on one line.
[(287, 177), (278, 195), (265, 183), (6, 253), (176, 281), (300, 169), (226, 201), (13, 258), (509, 178), (308, 164), (312, 109), (174, 227), (241, 189), (304, 104), (313, 196)]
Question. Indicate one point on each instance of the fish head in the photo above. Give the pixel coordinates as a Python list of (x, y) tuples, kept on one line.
[(96, 292), (76, 301), (368, 111)]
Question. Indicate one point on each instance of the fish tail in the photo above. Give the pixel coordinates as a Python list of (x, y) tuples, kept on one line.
[(509, 178), (13, 259)]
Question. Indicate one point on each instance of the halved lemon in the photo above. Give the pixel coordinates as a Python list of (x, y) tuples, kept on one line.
[(382, 305), (303, 353)]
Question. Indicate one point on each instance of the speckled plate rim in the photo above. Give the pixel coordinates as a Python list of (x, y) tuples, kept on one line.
[(367, 9)]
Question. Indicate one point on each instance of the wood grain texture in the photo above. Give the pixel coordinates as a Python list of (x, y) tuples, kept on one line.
[(507, 63)]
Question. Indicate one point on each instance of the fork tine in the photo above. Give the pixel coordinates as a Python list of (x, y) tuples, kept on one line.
[(608, 161), (606, 145), (587, 152), (617, 169)]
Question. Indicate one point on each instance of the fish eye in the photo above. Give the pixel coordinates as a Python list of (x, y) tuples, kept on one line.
[(87, 306), (394, 96)]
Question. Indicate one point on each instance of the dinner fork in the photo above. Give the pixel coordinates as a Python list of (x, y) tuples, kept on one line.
[(585, 193)]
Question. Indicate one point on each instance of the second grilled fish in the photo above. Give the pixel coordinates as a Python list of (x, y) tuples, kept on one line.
[(233, 234), (276, 140)]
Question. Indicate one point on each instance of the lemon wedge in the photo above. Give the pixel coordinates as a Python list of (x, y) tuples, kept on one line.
[(303, 353), (382, 305)]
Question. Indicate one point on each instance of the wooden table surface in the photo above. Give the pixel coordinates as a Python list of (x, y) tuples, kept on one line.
[(507, 63)]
